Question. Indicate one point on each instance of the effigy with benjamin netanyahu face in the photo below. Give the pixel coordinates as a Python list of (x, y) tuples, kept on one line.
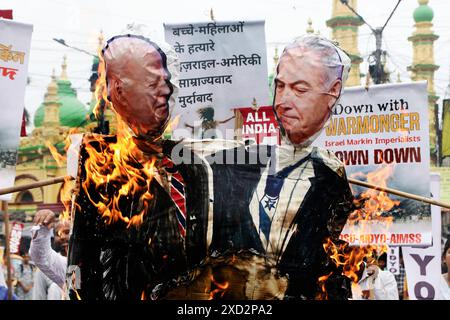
[(161, 219)]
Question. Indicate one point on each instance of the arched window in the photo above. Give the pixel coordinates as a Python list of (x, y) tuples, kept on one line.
[(25, 197)]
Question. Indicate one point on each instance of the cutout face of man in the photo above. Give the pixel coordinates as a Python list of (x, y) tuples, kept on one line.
[(138, 85), (302, 102)]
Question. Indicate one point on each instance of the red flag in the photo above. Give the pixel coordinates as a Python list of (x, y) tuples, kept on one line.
[(6, 14), (23, 129)]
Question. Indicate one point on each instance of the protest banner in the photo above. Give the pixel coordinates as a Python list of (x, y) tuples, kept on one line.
[(222, 65), (15, 39), (423, 265), (15, 237), (381, 135), (393, 260), (259, 125)]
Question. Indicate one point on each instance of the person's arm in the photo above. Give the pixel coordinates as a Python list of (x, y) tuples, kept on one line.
[(52, 264)]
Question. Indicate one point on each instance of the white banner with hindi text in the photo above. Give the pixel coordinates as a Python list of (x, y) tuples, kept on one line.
[(223, 65), (15, 40)]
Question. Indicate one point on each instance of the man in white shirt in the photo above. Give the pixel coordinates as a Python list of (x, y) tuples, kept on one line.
[(374, 284), (44, 288), (50, 262)]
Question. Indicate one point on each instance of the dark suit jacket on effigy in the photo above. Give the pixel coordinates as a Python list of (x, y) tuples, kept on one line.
[(152, 260)]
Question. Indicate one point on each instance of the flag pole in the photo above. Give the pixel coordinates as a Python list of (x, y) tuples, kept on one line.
[(36, 184), (350, 180), (400, 193)]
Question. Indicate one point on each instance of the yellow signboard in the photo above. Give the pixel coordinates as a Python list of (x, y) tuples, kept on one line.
[(445, 182)]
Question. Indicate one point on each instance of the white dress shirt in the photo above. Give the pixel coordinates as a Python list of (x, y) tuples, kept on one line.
[(51, 263), (382, 284)]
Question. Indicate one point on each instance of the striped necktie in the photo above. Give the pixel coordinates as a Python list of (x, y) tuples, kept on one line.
[(177, 193)]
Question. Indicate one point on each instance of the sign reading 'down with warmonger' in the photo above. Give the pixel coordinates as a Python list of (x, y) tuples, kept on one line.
[(222, 66), (381, 134)]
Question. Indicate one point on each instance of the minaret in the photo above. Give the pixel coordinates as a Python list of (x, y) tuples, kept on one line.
[(423, 66), (51, 110), (63, 75), (50, 136), (310, 28), (344, 24)]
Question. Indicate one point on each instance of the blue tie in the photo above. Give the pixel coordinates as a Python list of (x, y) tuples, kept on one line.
[(269, 201)]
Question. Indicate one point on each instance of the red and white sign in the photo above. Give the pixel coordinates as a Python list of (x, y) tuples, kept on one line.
[(15, 41), (260, 125), (15, 237)]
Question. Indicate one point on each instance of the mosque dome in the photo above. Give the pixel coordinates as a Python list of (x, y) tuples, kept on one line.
[(72, 112), (423, 13)]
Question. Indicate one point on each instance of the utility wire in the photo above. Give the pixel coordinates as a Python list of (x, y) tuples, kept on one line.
[(63, 42)]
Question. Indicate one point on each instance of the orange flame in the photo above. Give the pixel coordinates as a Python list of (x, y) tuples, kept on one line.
[(101, 92), (65, 195), (370, 207), (323, 294), (349, 260), (59, 158), (374, 203), (220, 290), (113, 165), (76, 293)]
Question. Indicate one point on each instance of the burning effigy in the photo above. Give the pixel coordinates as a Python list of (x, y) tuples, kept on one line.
[(155, 218)]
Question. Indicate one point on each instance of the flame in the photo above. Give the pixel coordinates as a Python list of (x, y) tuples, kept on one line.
[(371, 206), (113, 165), (59, 158), (349, 260), (77, 295), (220, 290), (323, 294), (372, 203), (143, 295), (66, 196), (101, 92), (67, 186)]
